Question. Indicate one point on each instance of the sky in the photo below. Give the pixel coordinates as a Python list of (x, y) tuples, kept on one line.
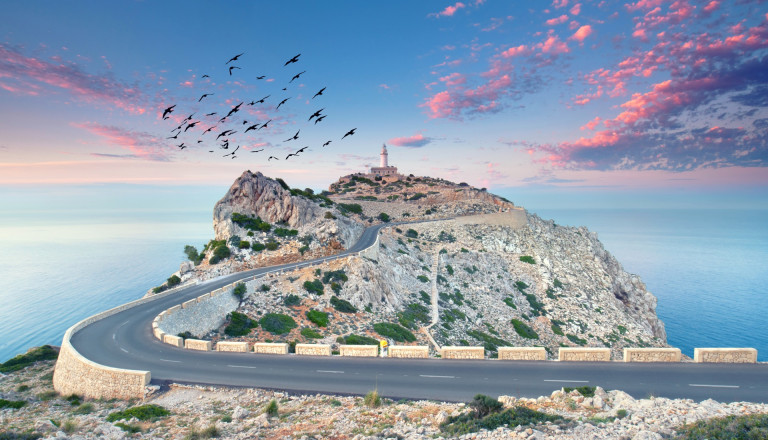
[(573, 102)]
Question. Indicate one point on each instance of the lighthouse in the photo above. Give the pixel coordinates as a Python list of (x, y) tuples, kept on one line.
[(384, 169), (384, 156)]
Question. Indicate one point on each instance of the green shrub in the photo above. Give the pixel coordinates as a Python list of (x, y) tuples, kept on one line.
[(258, 247), (490, 343), (537, 308), (449, 269), (143, 412), (622, 329), (131, 429), (272, 245), (174, 280), (383, 217), (412, 314), (41, 353), (315, 287), (219, 253), (264, 288), (484, 405), (253, 224), (240, 324), (394, 331), (527, 259), (510, 302), (447, 237), (303, 249), (21, 388), (244, 244), (350, 207), (329, 215), (342, 305), (239, 291), (310, 333), (12, 404), (621, 413), (354, 339), (557, 330), (271, 409), (209, 432), (518, 416), (422, 278), (85, 408), (292, 300), (524, 330), (586, 391), (192, 254), (372, 399), (425, 297), (521, 286), (411, 233), (318, 318), (234, 240), (576, 340), (282, 232), (277, 323), (753, 426), (557, 284), (335, 275)]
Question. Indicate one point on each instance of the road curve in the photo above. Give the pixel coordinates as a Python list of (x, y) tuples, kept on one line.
[(125, 340)]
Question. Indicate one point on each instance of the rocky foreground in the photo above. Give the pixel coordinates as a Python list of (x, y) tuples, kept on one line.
[(241, 413)]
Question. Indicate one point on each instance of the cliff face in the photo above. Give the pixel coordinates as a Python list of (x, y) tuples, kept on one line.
[(254, 195)]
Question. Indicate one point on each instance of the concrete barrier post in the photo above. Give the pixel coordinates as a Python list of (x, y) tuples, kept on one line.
[(176, 341), (523, 353), (198, 344), (239, 347), (409, 351), (359, 350), (725, 355), (270, 348), (313, 349), (454, 352), (652, 355), (584, 354)]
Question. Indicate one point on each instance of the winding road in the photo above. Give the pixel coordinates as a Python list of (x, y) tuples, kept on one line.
[(125, 340)]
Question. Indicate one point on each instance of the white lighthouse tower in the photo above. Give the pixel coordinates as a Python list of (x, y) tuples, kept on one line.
[(384, 169), (384, 156)]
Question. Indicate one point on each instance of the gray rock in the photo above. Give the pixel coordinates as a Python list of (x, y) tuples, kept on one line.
[(240, 413)]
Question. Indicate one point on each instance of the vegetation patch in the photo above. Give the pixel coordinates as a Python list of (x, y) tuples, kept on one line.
[(315, 287), (422, 278), (558, 284), (394, 331), (527, 259), (277, 323), (447, 237), (283, 232), (576, 340), (220, 252), (240, 324), (537, 308), (354, 339), (586, 391), (239, 291), (318, 318), (310, 333), (487, 415), (354, 208), (42, 353), (250, 223), (143, 412), (490, 343), (510, 302), (557, 330), (292, 300), (521, 286), (342, 305), (335, 275), (12, 404), (753, 426), (413, 314), (524, 329), (411, 233)]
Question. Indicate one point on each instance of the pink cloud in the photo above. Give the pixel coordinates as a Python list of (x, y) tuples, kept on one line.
[(592, 124), (582, 33), (142, 145), (29, 74), (415, 141), (454, 79), (553, 45), (448, 11), (557, 4), (576, 9), (481, 99), (515, 51), (557, 20)]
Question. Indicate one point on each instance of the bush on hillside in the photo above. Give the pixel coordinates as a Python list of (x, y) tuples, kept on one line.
[(277, 323), (342, 305), (394, 331), (317, 317)]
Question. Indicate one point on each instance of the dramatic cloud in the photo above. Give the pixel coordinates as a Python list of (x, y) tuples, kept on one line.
[(448, 11), (142, 145), (417, 140), (582, 33), (27, 75)]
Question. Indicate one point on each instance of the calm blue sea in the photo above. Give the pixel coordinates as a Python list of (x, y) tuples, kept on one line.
[(708, 268)]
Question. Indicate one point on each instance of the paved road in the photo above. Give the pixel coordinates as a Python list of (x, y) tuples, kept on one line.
[(125, 340)]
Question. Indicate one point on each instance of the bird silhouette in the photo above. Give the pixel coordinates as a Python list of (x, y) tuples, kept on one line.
[(281, 103), (245, 122), (205, 76), (234, 58), (190, 125), (168, 111), (223, 119), (225, 133), (189, 118), (316, 114), (272, 157), (210, 114), (265, 124), (181, 146), (256, 151), (326, 144), (204, 95), (230, 69), (209, 129), (349, 133), (292, 60), (301, 150), (296, 76), (261, 101), (251, 103), (252, 127), (320, 118), (199, 141), (295, 136), (174, 137), (261, 77), (234, 110), (319, 93), (291, 154)]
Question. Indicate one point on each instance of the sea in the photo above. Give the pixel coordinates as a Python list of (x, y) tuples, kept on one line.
[(708, 268)]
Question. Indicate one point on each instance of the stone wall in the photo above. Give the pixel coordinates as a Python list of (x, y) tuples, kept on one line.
[(725, 355), (313, 349), (359, 350), (585, 354), (523, 353), (652, 355), (199, 315), (176, 341), (239, 347), (408, 351), (270, 348), (452, 352), (197, 344)]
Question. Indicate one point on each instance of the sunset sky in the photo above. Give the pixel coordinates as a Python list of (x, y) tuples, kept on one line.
[(651, 97)]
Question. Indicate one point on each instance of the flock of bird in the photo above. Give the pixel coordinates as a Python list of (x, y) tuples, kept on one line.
[(228, 125)]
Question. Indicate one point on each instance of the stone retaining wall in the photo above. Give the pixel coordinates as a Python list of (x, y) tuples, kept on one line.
[(408, 351), (452, 352), (313, 349), (270, 348), (652, 355), (176, 341), (198, 344), (523, 353), (584, 354), (359, 350), (200, 315), (725, 355), (239, 347)]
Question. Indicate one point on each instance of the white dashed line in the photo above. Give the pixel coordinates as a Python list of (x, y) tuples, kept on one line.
[(168, 360), (241, 366), (439, 377), (712, 386), (126, 351), (330, 371)]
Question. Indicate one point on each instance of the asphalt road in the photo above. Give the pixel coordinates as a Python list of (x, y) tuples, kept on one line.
[(125, 340)]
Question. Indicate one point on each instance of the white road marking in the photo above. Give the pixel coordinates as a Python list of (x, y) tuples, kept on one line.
[(440, 377), (564, 380), (712, 386), (330, 371), (241, 366), (121, 348), (114, 337), (168, 360)]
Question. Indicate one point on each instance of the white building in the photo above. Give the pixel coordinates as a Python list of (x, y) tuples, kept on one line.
[(384, 169)]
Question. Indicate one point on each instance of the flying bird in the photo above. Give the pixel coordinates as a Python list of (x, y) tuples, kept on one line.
[(301, 150), (210, 114), (252, 127), (234, 110), (316, 114), (209, 129), (291, 154), (168, 111), (181, 146), (261, 77), (295, 136), (319, 93), (320, 118), (174, 137), (190, 126), (292, 60), (349, 133), (225, 133), (230, 69), (326, 144), (272, 157), (205, 76), (245, 122), (204, 95), (265, 124), (256, 151), (282, 102), (296, 76), (189, 118), (234, 58), (261, 101)]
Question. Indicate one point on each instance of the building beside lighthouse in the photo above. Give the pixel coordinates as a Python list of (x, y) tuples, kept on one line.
[(384, 169)]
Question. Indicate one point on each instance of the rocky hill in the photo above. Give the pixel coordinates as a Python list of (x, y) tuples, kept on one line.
[(481, 272)]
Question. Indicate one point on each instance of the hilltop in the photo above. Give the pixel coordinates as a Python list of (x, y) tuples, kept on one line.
[(498, 274)]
